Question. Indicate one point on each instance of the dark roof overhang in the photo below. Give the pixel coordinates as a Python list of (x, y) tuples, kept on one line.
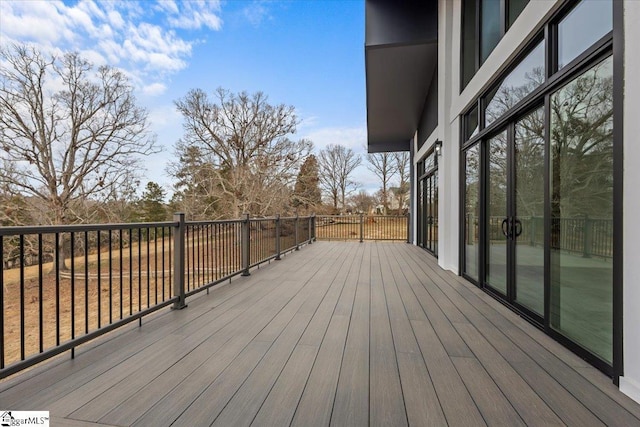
[(401, 54)]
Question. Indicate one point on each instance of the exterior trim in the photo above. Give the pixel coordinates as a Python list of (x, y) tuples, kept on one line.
[(618, 190)]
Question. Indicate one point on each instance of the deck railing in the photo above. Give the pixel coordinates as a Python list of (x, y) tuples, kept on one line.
[(109, 275), (362, 227), (582, 235)]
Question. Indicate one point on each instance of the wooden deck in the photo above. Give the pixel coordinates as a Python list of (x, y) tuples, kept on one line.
[(339, 334)]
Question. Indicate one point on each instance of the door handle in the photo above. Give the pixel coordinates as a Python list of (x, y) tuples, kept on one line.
[(505, 228), (517, 227)]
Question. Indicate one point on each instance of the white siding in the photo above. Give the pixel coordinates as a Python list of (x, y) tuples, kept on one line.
[(630, 382)]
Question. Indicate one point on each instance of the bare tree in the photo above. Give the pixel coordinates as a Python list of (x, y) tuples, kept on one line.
[(337, 163), (246, 140), (362, 202), (71, 131), (401, 164), (382, 165)]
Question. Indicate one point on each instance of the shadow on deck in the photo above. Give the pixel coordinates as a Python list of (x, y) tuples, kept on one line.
[(338, 333)]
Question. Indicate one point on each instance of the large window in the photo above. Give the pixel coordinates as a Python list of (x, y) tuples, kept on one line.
[(484, 22), (538, 149), (581, 184), (525, 77), (469, 37), (514, 7), (490, 27), (583, 26)]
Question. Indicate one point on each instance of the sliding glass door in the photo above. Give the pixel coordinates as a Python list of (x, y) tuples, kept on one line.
[(528, 211), (514, 219), (497, 216), (428, 204), (581, 184)]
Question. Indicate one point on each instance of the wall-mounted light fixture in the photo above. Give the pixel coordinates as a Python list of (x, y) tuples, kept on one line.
[(437, 147)]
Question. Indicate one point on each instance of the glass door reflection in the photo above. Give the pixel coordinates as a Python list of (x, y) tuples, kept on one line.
[(528, 212), (497, 223)]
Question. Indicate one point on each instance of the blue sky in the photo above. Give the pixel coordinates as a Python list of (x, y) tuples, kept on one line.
[(309, 54)]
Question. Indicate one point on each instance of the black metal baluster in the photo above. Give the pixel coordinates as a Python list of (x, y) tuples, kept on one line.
[(163, 267), (86, 282), (98, 279), (171, 266), (140, 270), (110, 277), (130, 271), (22, 337), (121, 272), (73, 290), (148, 267), (57, 268), (40, 294), (155, 264), (2, 301)]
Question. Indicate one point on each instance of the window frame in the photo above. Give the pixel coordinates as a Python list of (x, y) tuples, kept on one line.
[(477, 40)]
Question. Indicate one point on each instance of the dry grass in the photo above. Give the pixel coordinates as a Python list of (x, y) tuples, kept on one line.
[(50, 305), (373, 228)]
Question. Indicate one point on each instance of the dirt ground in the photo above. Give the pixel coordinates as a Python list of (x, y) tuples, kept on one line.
[(90, 303)]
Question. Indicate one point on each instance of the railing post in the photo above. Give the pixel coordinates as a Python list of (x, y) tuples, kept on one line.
[(296, 233), (532, 231), (179, 254), (361, 227), (408, 227), (313, 227), (309, 221), (244, 243), (278, 234), (588, 237)]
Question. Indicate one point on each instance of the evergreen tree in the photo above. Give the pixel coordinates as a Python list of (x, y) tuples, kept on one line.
[(306, 193), (152, 208)]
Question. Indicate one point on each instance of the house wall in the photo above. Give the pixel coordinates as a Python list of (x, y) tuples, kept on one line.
[(630, 382), (448, 69), (451, 103)]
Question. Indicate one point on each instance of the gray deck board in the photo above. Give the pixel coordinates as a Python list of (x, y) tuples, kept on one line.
[(316, 402), (337, 333), (386, 404), (493, 405), (351, 407)]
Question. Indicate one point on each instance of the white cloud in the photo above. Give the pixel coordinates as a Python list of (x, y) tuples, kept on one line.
[(350, 137), (165, 117), (154, 89), (115, 19), (94, 56), (168, 6), (92, 9), (126, 34), (81, 18), (194, 14), (255, 13), (34, 22)]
